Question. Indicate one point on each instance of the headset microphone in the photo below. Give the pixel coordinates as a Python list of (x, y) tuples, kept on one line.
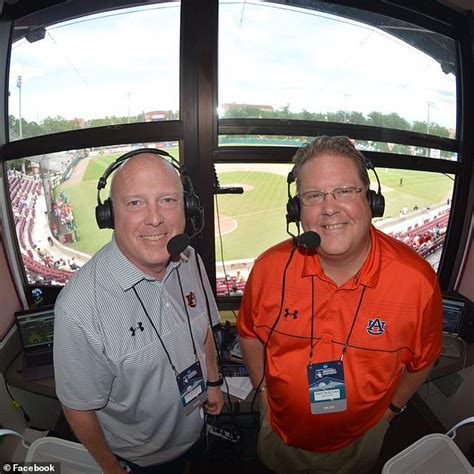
[(309, 240), (178, 244)]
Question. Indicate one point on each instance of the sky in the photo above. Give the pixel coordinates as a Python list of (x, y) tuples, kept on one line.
[(127, 62)]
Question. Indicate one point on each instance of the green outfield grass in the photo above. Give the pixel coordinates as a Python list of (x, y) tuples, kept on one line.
[(259, 212), (83, 198)]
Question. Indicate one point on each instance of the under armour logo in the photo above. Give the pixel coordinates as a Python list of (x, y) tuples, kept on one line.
[(376, 327), (290, 313), (134, 330), (191, 299)]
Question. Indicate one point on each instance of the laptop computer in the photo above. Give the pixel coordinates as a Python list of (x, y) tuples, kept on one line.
[(454, 310), (36, 329)]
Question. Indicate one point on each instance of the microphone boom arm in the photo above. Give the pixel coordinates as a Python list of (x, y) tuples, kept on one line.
[(228, 190)]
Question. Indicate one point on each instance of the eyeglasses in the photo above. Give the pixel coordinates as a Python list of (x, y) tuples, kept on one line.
[(313, 198)]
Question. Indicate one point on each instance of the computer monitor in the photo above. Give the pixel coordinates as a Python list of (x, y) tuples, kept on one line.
[(36, 327), (454, 310)]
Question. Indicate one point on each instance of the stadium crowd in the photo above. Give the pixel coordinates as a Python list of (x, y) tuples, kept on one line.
[(425, 236), (40, 264)]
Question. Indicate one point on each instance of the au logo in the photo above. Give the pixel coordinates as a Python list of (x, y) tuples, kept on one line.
[(191, 299), (376, 327)]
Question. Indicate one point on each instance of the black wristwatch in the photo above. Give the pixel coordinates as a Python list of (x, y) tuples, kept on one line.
[(396, 410), (217, 383)]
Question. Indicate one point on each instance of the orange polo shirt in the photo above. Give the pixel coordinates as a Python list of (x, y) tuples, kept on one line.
[(399, 324)]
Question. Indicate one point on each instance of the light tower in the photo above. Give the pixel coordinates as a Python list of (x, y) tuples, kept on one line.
[(18, 84), (429, 105)]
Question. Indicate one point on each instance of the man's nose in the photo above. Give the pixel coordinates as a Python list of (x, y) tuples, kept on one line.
[(329, 204), (154, 214)]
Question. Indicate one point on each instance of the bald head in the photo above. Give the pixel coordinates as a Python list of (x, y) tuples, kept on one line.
[(147, 197), (143, 162)]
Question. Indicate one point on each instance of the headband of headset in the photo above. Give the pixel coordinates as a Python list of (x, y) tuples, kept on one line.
[(293, 205), (193, 210)]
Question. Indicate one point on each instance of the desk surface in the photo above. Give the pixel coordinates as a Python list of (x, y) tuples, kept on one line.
[(14, 375), (448, 365), (14, 378)]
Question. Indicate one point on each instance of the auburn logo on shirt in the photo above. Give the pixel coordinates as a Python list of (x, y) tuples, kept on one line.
[(376, 327), (191, 297)]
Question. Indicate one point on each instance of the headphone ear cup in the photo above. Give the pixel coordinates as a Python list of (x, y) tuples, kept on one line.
[(104, 214), (193, 212), (376, 203), (293, 209), (192, 206)]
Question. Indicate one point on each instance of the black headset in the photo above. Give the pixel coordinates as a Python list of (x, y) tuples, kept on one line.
[(194, 212), (293, 206)]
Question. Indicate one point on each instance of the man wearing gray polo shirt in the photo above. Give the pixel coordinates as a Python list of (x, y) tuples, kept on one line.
[(133, 343)]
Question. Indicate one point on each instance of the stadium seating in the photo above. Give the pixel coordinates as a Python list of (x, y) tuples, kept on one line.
[(23, 195)]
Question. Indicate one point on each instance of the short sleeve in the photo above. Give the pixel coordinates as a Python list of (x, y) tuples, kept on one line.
[(429, 334), (248, 306), (83, 374)]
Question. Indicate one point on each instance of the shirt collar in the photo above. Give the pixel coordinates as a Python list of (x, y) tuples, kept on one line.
[(126, 273), (368, 274)]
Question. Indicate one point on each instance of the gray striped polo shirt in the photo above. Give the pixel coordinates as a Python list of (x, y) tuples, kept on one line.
[(108, 357)]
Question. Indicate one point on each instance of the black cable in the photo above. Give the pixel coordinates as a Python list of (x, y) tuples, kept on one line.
[(208, 309), (15, 403), (221, 246), (232, 412), (283, 284), (219, 233)]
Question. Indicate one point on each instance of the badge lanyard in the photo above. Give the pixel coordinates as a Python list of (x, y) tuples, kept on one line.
[(326, 383), (344, 349), (192, 388), (312, 323), (156, 330)]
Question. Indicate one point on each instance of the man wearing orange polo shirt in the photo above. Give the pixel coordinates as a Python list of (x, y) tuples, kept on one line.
[(337, 338)]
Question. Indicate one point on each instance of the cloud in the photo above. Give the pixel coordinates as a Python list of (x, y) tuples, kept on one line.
[(106, 65), (320, 63), (271, 54)]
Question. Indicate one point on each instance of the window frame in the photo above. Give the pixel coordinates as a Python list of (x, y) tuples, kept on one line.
[(198, 128)]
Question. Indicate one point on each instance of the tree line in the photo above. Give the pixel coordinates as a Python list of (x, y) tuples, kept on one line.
[(377, 119), (392, 120)]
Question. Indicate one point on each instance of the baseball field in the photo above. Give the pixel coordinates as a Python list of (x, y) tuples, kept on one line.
[(250, 222)]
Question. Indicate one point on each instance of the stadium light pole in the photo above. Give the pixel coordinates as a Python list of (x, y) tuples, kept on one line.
[(18, 84), (128, 94), (428, 104)]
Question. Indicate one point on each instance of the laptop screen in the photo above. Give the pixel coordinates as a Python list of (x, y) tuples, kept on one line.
[(453, 313), (36, 327)]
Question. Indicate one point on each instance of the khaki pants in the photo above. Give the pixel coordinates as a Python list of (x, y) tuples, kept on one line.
[(358, 458)]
